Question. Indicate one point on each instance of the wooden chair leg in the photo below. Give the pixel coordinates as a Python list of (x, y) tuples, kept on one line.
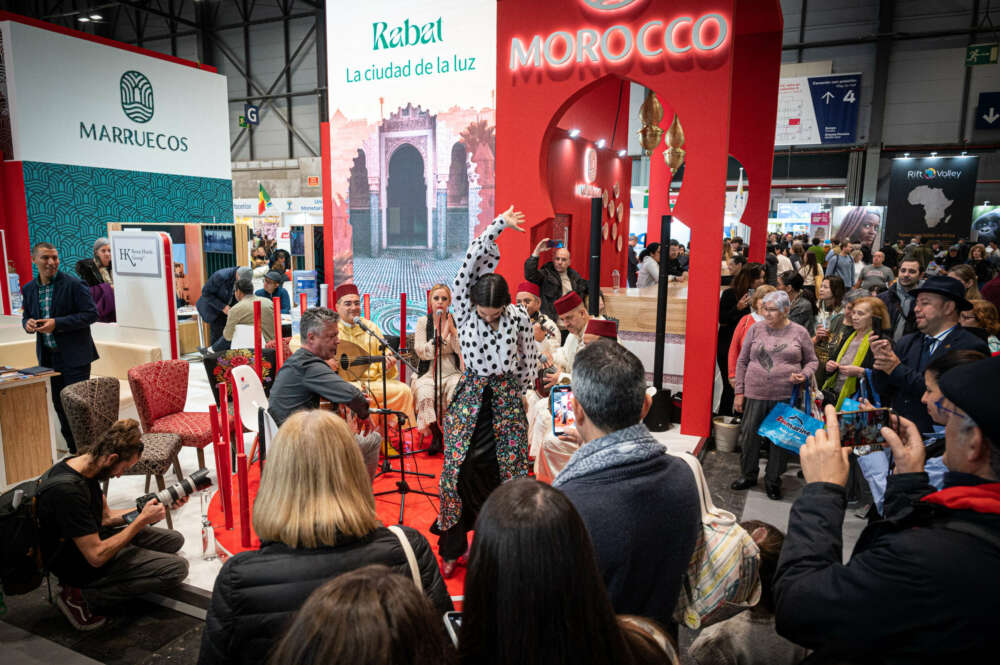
[(161, 484), (147, 483), (177, 467), (201, 458)]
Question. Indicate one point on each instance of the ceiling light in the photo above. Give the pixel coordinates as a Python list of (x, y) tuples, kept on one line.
[(964, 153), (622, 152), (96, 17), (906, 154), (601, 143), (83, 19), (933, 154), (573, 133)]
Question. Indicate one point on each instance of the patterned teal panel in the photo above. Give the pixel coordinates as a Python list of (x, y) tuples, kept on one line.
[(71, 206)]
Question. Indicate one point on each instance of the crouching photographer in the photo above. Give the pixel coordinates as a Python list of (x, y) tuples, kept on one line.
[(99, 559)]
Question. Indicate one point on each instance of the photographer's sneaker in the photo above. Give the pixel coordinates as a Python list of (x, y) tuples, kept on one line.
[(70, 601)]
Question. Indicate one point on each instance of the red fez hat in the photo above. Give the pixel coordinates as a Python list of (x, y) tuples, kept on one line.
[(529, 287), (345, 290), (568, 303), (602, 328)]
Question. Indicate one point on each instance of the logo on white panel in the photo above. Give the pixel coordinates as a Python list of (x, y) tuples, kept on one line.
[(137, 96)]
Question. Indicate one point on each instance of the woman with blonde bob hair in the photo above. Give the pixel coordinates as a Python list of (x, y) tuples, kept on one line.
[(315, 517)]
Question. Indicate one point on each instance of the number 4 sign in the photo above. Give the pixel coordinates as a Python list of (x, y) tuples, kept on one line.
[(835, 102)]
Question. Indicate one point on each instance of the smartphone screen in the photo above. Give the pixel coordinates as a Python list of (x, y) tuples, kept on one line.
[(561, 405), (863, 428), (554, 244), (453, 624)]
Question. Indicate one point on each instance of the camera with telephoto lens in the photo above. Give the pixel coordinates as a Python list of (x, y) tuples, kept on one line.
[(198, 480)]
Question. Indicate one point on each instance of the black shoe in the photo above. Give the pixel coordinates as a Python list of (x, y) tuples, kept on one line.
[(743, 484), (206, 352), (773, 492)]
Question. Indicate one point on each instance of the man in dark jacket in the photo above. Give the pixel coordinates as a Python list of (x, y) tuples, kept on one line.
[(899, 375), (919, 586), (217, 296), (640, 505), (58, 310), (633, 261), (555, 278), (898, 298)]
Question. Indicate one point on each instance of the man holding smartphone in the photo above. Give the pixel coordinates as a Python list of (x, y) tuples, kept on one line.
[(556, 278), (918, 586)]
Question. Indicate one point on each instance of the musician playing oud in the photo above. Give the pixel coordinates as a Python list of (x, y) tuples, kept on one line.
[(445, 359), (305, 377), (369, 379)]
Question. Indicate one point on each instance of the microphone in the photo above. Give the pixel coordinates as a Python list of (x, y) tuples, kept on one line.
[(358, 321)]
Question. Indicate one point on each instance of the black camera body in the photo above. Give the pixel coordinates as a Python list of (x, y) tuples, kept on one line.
[(198, 480)]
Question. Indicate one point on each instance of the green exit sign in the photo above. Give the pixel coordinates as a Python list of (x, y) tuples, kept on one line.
[(981, 54)]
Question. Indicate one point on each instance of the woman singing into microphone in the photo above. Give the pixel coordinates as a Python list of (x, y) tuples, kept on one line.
[(485, 441), (440, 324)]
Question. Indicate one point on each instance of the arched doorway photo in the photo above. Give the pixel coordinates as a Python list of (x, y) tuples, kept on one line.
[(407, 199)]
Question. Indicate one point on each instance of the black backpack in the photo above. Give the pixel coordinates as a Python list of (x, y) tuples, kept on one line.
[(21, 566)]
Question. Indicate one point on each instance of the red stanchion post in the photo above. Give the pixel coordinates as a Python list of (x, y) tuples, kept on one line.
[(368, 307), (428, 303), (226, 474), (303, 303), (241, 478), (213, 415), (279, 337), (258, 359), (402, 334)]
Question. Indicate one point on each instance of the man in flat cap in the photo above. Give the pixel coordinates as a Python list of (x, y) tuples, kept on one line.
[(899, 372), (920, 586)]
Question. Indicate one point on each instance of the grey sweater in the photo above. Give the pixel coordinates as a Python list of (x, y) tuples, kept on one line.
[(769, 357), (303, 379)]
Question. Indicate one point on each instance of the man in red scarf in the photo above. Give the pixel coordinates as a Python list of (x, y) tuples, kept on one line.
[(921, 585)]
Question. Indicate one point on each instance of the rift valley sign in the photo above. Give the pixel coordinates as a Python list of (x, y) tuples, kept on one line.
[(621, 42), (137, 103)]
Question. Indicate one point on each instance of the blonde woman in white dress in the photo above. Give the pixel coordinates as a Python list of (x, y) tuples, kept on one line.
[(451, 364)]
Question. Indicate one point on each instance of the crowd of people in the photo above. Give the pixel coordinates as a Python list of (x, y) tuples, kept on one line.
[(586, 561)]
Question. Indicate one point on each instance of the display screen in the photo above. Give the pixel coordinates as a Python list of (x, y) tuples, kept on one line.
[(561, 399), (219, 241)]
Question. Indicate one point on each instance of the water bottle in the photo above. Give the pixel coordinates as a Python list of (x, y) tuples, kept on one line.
[(207, 540), (616, 279)]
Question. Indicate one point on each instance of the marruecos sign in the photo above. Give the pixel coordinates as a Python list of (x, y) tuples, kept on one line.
[(657, 38), (82, 103)]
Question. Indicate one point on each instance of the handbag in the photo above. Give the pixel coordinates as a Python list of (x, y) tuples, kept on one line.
[(787, 427), (722, 578), (411, 558)]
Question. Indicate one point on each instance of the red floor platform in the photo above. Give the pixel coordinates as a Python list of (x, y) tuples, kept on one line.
[(420, 511)]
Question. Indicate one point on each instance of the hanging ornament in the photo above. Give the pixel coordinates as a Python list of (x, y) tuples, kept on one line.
[(650, 114)]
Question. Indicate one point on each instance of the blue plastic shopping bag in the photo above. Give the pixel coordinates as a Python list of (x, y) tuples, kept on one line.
[(865, 391), (787, 427)]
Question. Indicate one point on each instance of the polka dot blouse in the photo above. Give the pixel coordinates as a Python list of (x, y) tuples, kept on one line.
[(488, 352)]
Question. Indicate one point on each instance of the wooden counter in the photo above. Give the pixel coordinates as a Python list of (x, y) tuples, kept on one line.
[(27, 428), (635, 309)]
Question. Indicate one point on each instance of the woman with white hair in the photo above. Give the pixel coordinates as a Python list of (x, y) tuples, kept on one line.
[(776, 359), (97, 274)]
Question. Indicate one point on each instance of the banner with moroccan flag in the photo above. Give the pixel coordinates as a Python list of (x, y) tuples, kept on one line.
[(263, 200)]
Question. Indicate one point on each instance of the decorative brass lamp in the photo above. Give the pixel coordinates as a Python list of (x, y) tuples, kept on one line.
[(674, 154), (650, 113)]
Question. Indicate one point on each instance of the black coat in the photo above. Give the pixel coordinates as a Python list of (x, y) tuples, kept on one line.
[(903, 388), (257, 593), (914, 591), (892, 303), (74, 311), (550, 284), (216, 294)]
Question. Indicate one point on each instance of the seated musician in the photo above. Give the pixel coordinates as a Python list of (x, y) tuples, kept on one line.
[(400, 398), (305, 377), (554, 452), (440, 324), (558, 364)]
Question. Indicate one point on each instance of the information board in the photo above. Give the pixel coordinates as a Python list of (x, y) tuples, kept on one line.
[(818, 110)]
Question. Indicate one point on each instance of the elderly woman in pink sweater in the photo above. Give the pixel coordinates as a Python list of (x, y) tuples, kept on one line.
[(776, 358)]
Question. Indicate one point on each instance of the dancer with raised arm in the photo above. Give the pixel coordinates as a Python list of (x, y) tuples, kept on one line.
[(485, 428)]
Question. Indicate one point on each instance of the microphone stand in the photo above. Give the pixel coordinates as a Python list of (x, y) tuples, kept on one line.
[(437, 438), (402, 487)]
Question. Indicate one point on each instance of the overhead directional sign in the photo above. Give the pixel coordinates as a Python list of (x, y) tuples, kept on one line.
[(981, 54), (818, 109), (988, 111), (252, 113)]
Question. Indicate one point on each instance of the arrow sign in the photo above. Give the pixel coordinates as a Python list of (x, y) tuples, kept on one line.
[(988, 111), (827, 97), (991, 117)]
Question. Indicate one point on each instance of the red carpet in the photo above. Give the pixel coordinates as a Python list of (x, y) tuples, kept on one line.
[(420, 511)]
